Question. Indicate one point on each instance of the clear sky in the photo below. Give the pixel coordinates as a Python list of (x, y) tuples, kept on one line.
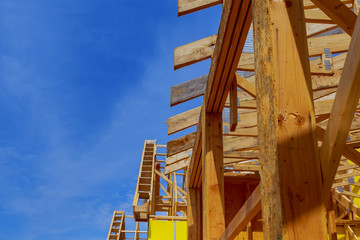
[(82, 84)]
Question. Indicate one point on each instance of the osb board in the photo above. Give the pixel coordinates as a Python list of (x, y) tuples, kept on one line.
[(236, 194)]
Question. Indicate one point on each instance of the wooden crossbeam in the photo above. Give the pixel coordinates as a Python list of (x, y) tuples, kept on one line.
[(194, 52), (189, 6), (202, 49), (246, 63), (182, 164), (317, 16), (188, 90), (183, 120), (248, 211), (180, 144), (313, 29), (177, 157), (170, 182), (346, 202), (342, 113), (339, 13), (246, 85), (309, 4)]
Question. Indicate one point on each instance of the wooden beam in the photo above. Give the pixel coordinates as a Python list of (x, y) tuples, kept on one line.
[(213, 176), (183, 120), (194, 214), (346, 202), (203, 49), (292, 203), (182, 164), (180, 144), (342, 112), (331, 219), (313, 29), (188, 90), (339, 13), (339, 43), (189, 6), (308, 4), (233, 106), (246, 85), (194, 168), (233, 30), (248, 211), (317, 16), (178, 157), (246, 63), (194, 52)]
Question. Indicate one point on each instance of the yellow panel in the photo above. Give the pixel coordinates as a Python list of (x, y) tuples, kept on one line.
[(161, 230), (181, 230)]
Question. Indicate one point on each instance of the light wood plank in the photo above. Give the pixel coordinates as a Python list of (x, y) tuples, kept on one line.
[(183, 120), (233, 30), (246, 85), (180, 144), (194, 214), (194, 52), (190, 6), (339, 13), (188, 90)]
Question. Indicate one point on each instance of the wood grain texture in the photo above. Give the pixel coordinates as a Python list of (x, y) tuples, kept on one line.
[(188, 90), (233, 30), (339, 13), (194, 218), (190, 6), (246, 85), (213, 176), (194, 52), (183, 120), (180, 144), (342, 113), (292, 207), (339, 43)]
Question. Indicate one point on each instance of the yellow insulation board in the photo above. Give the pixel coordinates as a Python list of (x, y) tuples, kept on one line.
[(161, 230), (181, 230)]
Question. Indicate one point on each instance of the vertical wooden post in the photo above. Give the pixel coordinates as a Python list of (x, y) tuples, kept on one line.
[(331, 219), (233, 106), (137, 229), (194, 214), (291, 183), (249, 232), (156, 189), (212, 176)]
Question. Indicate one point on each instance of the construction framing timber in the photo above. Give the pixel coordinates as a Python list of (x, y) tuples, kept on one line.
[(274, 154)]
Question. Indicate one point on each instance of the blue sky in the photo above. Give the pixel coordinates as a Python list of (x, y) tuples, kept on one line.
[(82, 84)]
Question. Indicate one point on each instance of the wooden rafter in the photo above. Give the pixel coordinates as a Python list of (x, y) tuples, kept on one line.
[(342, 113), (339, 13)]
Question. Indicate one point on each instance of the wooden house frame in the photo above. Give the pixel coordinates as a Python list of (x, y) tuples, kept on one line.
[(290, 121)]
